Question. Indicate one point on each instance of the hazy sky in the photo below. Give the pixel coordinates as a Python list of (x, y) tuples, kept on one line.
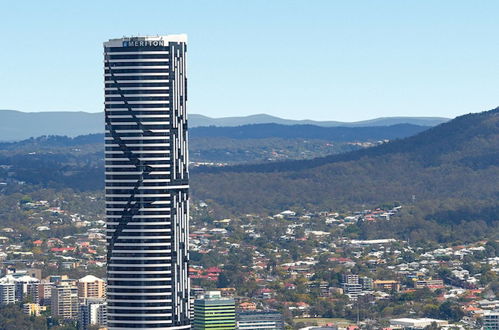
[(337, 60)]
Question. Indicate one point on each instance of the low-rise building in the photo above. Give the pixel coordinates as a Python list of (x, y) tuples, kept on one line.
[(214, 312), (367, 283), (429, 283), (260, 320), (491, 320), (389, 285), (419, 323), (33, 309)]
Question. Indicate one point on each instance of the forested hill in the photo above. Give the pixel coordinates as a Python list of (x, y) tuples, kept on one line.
[(337, 134), (50, 141), (256, 131), (232, 145), (78, 162), (455, 161)]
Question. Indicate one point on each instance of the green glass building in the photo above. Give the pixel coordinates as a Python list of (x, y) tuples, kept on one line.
[(212, 312)]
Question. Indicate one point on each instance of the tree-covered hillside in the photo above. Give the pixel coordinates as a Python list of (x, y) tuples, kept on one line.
[(78, 163), (337, 134), (458, 160)]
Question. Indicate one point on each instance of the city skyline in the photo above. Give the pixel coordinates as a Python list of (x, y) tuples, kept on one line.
[(359, 60), (336, 168)]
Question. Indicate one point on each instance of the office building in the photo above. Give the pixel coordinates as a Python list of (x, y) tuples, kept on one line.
[(350, 279), (45, 292), (491, 320), (91, 287), (64, 299), (146, 182), (26, 286), (351, 289), (7, 293), (367, 283), (17, 284), (93, 312), (386, 285), (429, 283), (260, 320), (351, 285), (214, 312)]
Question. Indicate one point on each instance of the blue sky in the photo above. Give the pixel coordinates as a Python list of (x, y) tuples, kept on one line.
[(323, 60)]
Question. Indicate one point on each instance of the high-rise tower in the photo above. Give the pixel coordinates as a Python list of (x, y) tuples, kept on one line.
[(147, 183)]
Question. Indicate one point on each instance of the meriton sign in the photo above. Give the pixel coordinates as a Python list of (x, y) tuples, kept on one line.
[(143, 43)]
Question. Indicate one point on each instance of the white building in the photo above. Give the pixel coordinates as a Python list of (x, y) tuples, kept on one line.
[(16, 285), (260, 320), (491, 320), (7, 293), (92, 312), (419, 323)]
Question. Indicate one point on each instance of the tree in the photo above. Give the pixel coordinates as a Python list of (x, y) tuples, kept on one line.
[(450, 310), (13, 318)]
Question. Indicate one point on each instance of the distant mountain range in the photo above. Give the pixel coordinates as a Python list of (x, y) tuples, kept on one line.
[(16, 125), (200, 120), (332, 134)]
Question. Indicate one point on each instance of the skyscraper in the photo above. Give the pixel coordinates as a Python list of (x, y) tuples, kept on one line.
[(146, 182)]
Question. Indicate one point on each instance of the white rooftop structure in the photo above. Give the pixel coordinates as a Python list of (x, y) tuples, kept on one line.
[(13, 279), (90, 279), (146, 40), (418, 323), (373, 241)]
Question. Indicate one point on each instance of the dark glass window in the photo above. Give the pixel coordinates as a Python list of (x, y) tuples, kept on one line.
[(115, 70), (136, 56), (120, 64), (137, 49), (120, 78), (138, 91), (134, 84)]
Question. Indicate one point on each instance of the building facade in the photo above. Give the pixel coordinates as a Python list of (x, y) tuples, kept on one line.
[(260, 320), (491, 320), (351, 285), (146, 183), (93, 312), (7, 293), (33, 309), (91, 287), (212, 312), (45, 292), (65, 301)]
